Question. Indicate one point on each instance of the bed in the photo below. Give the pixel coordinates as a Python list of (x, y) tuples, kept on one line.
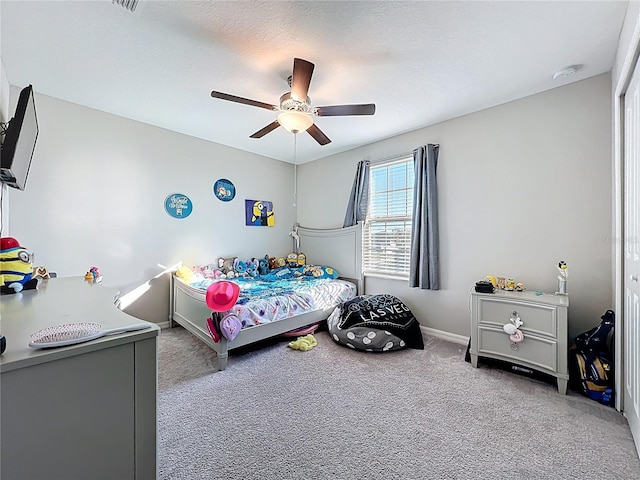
[(339, 248)]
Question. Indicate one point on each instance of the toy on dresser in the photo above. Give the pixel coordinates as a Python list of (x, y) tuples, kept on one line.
[(16, 267), (563, 270), (93, 275), (502, 283)]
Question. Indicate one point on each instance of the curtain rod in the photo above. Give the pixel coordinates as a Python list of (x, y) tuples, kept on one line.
[(388, 159), (395, 157)]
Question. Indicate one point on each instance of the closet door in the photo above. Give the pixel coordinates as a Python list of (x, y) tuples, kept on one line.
[(631, 248)]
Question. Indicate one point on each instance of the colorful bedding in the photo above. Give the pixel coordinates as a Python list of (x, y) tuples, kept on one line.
[(269, 297)]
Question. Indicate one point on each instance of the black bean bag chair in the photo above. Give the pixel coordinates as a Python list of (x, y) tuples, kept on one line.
[(375, 323)]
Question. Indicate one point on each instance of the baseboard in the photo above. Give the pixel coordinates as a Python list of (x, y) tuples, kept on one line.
[(450, 337)]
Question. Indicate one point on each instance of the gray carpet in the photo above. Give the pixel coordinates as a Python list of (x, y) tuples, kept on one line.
[(333, 413)]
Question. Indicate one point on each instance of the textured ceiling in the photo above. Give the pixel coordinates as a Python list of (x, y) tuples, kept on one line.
[(420, 62)]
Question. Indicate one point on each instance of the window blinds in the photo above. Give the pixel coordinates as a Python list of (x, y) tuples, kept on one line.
[(387, 230)]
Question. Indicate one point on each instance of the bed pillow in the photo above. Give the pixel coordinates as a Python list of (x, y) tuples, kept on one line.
[(319, 271)]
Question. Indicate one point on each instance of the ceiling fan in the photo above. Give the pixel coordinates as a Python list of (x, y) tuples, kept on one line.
[(296, 111)]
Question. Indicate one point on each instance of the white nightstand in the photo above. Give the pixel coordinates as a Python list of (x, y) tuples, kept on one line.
[(544, 326)]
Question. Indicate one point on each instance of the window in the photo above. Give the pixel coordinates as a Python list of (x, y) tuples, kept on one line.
[(387, 229)]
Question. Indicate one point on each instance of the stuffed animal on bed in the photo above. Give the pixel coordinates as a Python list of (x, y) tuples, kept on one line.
[(240, 267), (225, 267), (292, 260), (207, 271), (252, 267), (185, 273), (273, 263), (263, 265)]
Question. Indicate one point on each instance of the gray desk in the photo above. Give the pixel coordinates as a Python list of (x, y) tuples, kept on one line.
[(86, 411)]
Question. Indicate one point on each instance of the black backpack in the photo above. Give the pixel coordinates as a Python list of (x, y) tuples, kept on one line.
[(592, 363)]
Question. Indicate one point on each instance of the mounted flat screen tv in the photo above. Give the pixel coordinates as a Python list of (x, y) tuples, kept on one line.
[(19, 142)]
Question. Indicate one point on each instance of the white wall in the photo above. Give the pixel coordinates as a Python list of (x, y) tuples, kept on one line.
[(96, 190), (521, 186), (4, 95), (4, 117)]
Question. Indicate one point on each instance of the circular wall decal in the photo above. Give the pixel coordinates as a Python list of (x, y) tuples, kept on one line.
[(178, 205), (224, 190)]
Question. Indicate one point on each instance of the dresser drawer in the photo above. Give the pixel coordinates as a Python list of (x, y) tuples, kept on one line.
[(538, 352), (536, 319)]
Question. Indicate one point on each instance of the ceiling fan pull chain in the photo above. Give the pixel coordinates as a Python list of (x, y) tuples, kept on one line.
[(295, 169)]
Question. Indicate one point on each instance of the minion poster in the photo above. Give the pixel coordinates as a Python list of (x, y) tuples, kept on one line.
[(259, 213)]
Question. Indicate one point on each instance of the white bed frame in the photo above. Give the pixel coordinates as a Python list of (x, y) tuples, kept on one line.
[(340, 248)]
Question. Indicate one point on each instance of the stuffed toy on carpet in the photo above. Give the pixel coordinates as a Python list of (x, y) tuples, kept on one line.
[(304, 343)]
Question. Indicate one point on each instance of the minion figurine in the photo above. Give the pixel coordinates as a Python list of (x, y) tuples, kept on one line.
[(16, 269)]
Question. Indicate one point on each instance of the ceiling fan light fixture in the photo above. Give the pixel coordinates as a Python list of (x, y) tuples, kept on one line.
[(296, 113), (295, 121)]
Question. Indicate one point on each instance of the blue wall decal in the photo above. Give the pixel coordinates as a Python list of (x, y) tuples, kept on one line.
[(224, 189), (178, 205)]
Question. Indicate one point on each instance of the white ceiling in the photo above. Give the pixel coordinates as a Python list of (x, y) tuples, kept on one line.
[(420, 62)]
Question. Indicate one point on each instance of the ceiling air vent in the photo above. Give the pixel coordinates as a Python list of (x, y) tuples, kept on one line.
[(128, 4)]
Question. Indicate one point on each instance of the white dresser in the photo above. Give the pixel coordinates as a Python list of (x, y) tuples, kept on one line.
[(544, 325), (86, 411)]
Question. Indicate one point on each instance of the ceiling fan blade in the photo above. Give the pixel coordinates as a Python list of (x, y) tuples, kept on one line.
[(263, 131), (246, 101), (341, 110), (318, 135), (301, 79)]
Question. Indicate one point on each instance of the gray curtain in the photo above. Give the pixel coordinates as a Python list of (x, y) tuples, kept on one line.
[(359, 198), (424, 271)]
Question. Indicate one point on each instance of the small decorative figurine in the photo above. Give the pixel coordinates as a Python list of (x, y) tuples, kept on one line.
[(562, 278), (93, 275)]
